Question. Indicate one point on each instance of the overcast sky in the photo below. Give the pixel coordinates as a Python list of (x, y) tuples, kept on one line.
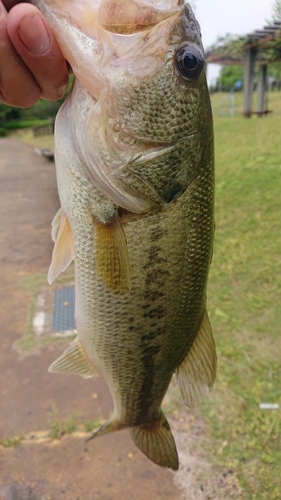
[(218, 17)]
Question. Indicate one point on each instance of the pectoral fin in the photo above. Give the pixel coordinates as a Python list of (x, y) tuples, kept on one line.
[(56, 224), (196, 374), (112, 256), (63, 252), (74, 360)]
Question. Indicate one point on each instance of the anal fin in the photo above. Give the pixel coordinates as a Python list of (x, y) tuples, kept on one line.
[(74, 360), (63, 252), (196, 374), (109, 426), (112, 256), (156, 441)]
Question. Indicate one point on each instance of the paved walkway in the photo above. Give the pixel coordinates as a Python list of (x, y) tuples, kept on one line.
[(110, 468)]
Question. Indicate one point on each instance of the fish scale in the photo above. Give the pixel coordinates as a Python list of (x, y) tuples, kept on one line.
[(135, 173), (161, 116), (111, 320)]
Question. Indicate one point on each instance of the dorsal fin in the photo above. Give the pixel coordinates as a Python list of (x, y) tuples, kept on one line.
[(63, 253), (196, 374), (74, 360)]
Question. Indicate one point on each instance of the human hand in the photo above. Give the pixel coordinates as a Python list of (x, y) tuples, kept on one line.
[(31, 63)]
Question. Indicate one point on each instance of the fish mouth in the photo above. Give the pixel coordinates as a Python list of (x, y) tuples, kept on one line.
[(127, 17)]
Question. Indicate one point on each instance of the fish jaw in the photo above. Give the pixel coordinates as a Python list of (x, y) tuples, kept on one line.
[(98, 55), (119, 72), (116, 131), (130, 16), (116, 16)]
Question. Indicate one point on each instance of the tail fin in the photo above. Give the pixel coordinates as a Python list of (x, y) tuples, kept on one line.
[(157, 443)]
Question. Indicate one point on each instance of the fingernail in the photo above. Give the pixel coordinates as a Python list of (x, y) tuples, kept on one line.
[(3, 12), (33, 34)]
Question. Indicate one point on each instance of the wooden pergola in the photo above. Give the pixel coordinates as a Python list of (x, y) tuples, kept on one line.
[(254, 49)]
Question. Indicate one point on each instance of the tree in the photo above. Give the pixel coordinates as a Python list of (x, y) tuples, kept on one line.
[(229, 75), (274, 70), (229, 44), (276, 10)]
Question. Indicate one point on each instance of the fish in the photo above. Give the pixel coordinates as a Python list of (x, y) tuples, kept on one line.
[(135, 172)]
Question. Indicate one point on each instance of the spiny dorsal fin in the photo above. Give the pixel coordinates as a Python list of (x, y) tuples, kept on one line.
[(63, 253), (157, 443), (112, 257), (196, 374), (74, 360)]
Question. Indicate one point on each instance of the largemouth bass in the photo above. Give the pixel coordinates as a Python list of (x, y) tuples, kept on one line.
[(134, 162)]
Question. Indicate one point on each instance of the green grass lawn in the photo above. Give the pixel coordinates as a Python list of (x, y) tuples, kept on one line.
[(221, 103), (245, 301)]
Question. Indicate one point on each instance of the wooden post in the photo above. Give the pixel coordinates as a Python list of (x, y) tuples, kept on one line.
[(251, 55), (262, 88)]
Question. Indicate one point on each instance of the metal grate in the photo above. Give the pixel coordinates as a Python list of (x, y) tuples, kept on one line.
[(64, 303)]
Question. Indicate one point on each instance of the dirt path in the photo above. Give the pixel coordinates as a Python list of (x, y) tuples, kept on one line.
[(41, 469)]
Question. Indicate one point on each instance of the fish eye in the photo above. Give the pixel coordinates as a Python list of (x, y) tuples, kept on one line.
[(190, 62)]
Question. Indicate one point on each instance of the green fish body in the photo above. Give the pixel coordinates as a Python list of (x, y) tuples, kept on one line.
[(135, 173)]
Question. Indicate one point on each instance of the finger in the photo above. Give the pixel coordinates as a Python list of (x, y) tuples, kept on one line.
[(17, 85), (35, 43)]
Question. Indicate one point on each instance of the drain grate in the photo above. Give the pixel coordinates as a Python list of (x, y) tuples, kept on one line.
[(63, 316)]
